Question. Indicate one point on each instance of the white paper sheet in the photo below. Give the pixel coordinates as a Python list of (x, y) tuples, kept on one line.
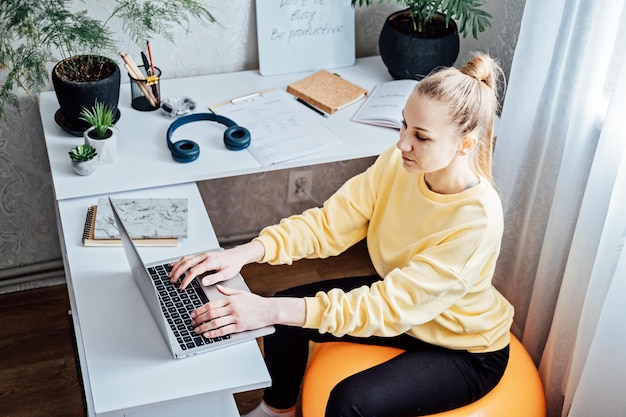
[(281, 129)]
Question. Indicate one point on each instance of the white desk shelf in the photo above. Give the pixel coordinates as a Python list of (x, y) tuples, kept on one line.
[(126, 366)]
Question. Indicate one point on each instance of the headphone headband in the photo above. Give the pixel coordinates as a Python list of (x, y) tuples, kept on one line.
[(235, 137)]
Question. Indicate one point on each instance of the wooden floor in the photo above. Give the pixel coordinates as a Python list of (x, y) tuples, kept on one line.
[(38, 370)]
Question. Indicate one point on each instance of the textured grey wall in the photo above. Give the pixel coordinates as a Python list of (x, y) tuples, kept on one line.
[(241, 206), (28, 232)]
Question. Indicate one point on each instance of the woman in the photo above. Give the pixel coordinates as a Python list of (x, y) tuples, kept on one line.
[(433, 224)]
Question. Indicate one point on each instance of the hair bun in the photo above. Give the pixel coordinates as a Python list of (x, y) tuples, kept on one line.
[(483, 68)]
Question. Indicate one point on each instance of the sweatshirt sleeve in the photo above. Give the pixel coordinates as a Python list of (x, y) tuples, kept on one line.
[(407, 297)]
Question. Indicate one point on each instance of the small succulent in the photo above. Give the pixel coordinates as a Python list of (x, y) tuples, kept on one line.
[(100, 116), (82, 153)]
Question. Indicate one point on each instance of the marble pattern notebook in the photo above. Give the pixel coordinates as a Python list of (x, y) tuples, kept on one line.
[(89, 240), (144, 218)]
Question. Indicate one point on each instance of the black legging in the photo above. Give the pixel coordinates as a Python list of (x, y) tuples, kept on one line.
[(425, 379)]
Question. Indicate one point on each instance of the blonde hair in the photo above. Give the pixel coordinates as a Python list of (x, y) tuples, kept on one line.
[(472, 95)]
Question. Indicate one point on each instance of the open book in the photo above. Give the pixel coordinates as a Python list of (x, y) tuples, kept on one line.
[(384, 105)]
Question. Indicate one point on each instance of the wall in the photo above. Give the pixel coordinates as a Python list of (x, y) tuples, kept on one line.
[(29, 245)]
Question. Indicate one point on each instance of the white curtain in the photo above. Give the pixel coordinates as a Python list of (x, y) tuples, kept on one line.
[(560, 166)]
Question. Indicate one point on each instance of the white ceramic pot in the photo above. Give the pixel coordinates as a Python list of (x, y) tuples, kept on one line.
[(106, 148), (85, 167)]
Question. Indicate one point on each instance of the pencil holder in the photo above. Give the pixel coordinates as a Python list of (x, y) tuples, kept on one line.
[(145, 93)]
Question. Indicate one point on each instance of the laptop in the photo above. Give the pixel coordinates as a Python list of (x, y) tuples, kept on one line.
[(171, 306)]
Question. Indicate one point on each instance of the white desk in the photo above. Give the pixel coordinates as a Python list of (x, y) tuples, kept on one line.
[(143, 159), (128, 371)]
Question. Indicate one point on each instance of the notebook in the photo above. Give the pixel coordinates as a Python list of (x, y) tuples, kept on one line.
[(383, 107), (145, 218), (89, 238), (326, 91), (171, 307)]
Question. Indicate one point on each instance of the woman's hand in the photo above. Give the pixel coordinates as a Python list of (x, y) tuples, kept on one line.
[(221, 265), (241, 310)]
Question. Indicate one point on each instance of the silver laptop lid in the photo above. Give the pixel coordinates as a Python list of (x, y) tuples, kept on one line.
[(144, 282)]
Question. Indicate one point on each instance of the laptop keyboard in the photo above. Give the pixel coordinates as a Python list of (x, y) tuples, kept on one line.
[(177, 304)]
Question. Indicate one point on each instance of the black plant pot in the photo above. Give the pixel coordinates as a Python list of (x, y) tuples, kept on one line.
[(73, 96), (408, 54)]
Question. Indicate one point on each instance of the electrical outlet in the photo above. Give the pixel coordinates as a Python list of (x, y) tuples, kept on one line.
[(300, 186)]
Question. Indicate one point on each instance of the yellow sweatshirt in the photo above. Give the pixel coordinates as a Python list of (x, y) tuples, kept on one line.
[(436, 254)]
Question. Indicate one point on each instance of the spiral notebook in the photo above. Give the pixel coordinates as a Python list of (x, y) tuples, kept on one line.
[(88, 238)]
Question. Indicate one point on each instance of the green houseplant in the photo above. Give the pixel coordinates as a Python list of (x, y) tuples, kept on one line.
[(100, 134), (83, 158), (425, 34), (82, 153), (36, 33), (101, 119)]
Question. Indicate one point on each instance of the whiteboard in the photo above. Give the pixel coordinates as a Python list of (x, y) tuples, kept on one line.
[(304, 35)]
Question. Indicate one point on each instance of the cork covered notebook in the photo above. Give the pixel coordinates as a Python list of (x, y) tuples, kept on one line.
[(326, 91)]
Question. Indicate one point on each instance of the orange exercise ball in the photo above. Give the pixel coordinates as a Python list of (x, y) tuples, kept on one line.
[(518, 394)]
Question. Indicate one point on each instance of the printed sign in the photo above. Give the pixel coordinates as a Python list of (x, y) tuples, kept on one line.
[(304, 35)]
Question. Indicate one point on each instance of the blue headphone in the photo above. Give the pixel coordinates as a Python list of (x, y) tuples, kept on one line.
[(236, 137)]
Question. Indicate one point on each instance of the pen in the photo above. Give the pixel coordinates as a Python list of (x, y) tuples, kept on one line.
[(246, 98), (310, 106), (146, 64), (155, 88), (150, 55)]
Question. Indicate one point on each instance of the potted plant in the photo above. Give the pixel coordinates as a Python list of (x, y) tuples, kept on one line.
[(100, 134), (39, 32), (425, 35), (84, 160)]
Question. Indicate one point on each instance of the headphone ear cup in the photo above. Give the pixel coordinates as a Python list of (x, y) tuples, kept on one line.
[(185, 151), (236, 138)]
